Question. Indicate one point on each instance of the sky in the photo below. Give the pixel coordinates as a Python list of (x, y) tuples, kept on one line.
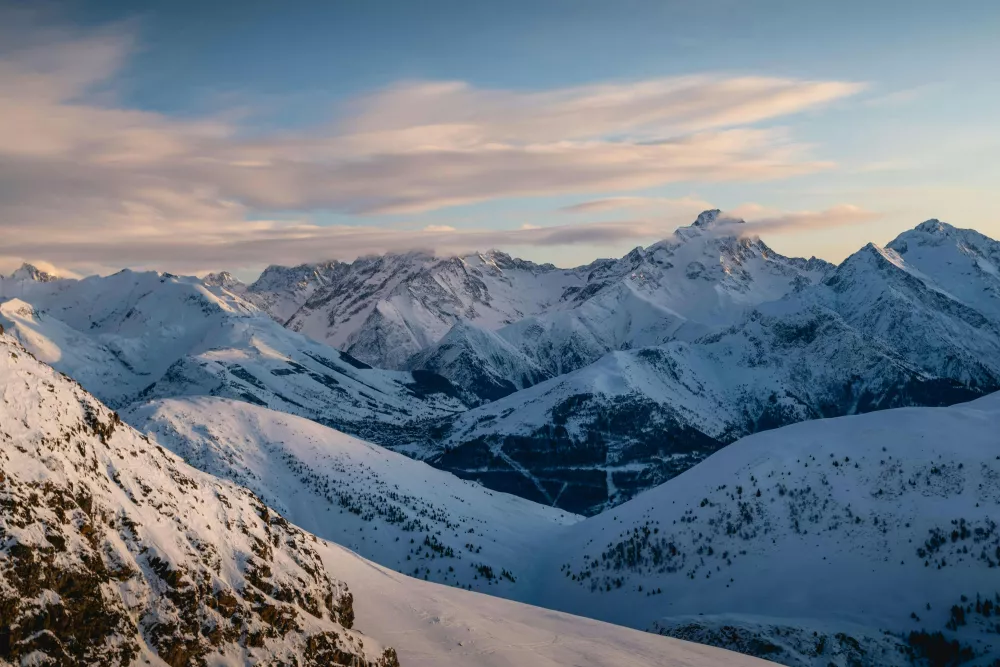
[(193, 137)]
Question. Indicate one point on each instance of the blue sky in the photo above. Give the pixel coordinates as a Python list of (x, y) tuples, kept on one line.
[(295, 131)]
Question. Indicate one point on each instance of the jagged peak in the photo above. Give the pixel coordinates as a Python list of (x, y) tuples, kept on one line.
[(278, 276), (707, 218), (31, 272), (933, 226), (221, 279)]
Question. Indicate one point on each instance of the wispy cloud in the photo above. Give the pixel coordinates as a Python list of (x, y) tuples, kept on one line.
[(904, 96), (83, 178), (238, 244), (652, 203), (762, 220)]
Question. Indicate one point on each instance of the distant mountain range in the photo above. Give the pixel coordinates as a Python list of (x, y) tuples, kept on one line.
[(683, 426), (573, 387)]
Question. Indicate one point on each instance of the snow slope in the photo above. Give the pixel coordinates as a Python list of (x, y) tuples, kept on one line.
[(391, 509), (878, 522), (435, 626), (113, 550), (135, 336)]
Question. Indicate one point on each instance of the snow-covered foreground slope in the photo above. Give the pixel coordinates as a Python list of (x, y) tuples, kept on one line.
[(114, 551), (144, 335), (435, 626), (885, 522), (391, 509)]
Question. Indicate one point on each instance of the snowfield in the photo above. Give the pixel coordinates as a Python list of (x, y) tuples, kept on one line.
[(435, 626)]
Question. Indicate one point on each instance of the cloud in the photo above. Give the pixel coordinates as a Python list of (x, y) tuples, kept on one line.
[(760, 220), (239, 244), (617, 203), (84, 178)]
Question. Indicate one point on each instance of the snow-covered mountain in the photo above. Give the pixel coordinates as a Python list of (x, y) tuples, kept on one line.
[(226, 281), (705, 276), (484, 365), (597, 436), (401, 513), (587, 385), (877, 331), (809, 543), (134, 336), (933, 295), (384, 309), (31, 272), (281, 290), (114, 551)]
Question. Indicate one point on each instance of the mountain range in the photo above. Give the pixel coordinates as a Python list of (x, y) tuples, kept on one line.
[(577, 388), (598, 382), (703, 440)]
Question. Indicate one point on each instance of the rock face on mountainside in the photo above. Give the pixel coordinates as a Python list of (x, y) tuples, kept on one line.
[(849, 541), (226, 281), (281, 290), (114, 551)]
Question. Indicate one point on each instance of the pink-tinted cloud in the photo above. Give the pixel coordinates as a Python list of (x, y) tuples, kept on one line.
[(647, 203)]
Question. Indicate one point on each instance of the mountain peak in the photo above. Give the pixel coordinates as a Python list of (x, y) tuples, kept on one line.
[(32, 272), (222, 279), (277, 277), (707, 219), (933, 226)]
